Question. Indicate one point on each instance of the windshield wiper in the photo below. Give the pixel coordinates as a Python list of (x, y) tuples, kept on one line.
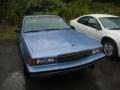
[(47, 29), (56, 29), (65, 28), (51, 29), (33, 31), (40, 30)]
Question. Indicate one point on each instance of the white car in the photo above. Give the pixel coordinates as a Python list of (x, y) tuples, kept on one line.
[(103, 27)]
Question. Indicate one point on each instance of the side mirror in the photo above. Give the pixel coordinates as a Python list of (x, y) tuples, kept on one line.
[(99, 28), (96, 27)]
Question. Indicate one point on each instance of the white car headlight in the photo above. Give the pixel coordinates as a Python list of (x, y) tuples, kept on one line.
[(97, 50)]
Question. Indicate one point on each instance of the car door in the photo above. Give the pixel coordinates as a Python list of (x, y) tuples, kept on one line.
[(81, 25), (89, 26), (94, 28)]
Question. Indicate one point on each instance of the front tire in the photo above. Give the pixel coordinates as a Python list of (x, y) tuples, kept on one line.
[(110, 48)]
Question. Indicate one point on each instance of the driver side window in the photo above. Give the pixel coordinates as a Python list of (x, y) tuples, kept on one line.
[(92, 22)]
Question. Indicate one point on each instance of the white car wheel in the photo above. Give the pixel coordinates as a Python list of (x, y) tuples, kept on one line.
[(110, 48)]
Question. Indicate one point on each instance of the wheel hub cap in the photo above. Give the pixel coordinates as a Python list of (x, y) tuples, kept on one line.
[(108, 49)]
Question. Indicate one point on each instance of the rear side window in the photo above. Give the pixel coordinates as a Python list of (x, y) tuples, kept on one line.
[(83, 20), (90, 21)]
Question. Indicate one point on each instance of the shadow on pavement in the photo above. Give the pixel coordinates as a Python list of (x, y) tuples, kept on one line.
[(79, 80)]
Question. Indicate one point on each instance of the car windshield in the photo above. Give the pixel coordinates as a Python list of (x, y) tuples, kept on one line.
[(42, 23), (112, 23)]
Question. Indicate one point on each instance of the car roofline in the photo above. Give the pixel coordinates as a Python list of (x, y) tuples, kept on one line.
[(27, 16), (101, 15)]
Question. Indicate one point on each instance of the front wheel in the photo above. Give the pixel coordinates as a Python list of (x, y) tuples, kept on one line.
[(110, 48)]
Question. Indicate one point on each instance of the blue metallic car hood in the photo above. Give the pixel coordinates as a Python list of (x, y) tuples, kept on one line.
[(46, 42)]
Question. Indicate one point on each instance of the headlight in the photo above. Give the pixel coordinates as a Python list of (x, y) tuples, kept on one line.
[(40, 61), (97, 50)]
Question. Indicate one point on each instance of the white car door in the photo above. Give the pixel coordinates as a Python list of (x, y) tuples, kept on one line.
[(90, 27), (94, 28), (80, 25)]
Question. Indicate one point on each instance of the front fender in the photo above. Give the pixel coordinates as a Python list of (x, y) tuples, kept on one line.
[(115, 38), (24, 49)]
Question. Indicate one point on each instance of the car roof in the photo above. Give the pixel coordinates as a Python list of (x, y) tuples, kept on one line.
[(27, 16), (101, 15)]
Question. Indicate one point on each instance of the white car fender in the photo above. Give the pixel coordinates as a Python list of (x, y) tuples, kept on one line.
[(115, 38)]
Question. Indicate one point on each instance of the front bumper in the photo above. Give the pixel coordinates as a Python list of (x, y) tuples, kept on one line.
[(60, 68)]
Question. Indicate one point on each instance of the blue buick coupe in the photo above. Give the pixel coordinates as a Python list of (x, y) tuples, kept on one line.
[(49, 46)]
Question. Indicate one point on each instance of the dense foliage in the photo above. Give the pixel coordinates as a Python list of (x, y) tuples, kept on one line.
[(12, 10)]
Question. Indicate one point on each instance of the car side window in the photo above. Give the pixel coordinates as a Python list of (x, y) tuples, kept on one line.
[(83, 20), (92, 22)]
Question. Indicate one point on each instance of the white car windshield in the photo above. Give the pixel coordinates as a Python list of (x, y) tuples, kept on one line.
[(41, 23), (112, 23)]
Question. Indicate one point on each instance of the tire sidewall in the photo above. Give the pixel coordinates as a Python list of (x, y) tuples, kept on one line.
[(115, 49)]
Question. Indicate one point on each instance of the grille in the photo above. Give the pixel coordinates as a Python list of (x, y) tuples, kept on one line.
[(73, 56)]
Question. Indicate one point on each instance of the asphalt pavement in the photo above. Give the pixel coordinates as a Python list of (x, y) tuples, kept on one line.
[(105, 76)]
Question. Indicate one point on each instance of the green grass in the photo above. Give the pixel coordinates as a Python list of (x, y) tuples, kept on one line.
[(7, 37)]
